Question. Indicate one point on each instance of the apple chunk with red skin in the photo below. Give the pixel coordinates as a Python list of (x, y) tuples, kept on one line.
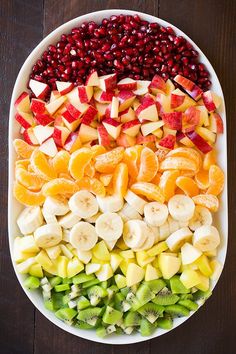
[(127, 115), (142, 87), (211, 101), (22, 104), (145, 139), (168, 141), (89, 115), (103, 136), (85, 93), (199, 142), (37, 106), (125, 140), (42, 133), (25, 119), (147, 109), (70, 122), (112, 126), (60, 134), (87, 133), (48, 147), (43, 119), (179, 101), (127, 84), (40, 89), (73, 142), (191, 119), (131, 128), (108, 82), (125, 98), (114, 107), (92, 79), (101, 108), (216, 123), (64, 87), (54, 95), (55, 105), (189, 86), (30, 137), (75, 112), (157, 84), (103, 96), (173, 120)]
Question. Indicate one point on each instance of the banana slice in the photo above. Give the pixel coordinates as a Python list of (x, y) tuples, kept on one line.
[(29, 220), (83, 236), (176, 240), (173, 224), (183, 224), (164, 231), (202, 216), (48, 235), (129, 213), (69, 220), (156, 232), (56, 206), (181, 207), (149, 241), (83, 204), (135, 233), (135, 201), (206, 238), (155, 213), (93, 218), (109, 226), (49, 218), (111, 203)]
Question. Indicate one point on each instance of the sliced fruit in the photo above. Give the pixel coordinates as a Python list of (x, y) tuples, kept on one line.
[(41, 165), (206, 238), (131, 158), (155, 213), (78, 161), (107, 162), (209, 201), (178, 163), (48, 235), (202, 216), (149, 190), (189, 253), (202, 179), (181, 207), (148, 165), (26, 197), (135, 201), (60, 161), (55, 206), (109, 226), (134, 274), (135, 233), (216, 180), (209, 159), (190, 278), (188, 186), (120, 179), (169, 265), (59, 186), (92, 185), (83, 236), (176, 240), (188, 153), (29, 220), (167, 183), (23, 149), (83, 204)]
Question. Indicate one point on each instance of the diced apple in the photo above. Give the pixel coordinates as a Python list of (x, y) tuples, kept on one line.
[(125, 98), (163, 104), (101, 108), (62, 264), (173, 120), (49, 148), (143, 259), (70, 122), (211, 101), (75, 112), (131, 128), (142, 87), (189, 86), (73, 142), (36, 270), (22, 103), (167, 131), (40, 89), (186, 141), (85, 93), (145, 139), (43, 119), (127, 115), (112, 126), (64, 87), (125, 140), (29, 136), (55, 105), (216, 123), (190, 278), (127, 84), (169, 265), (42, 133), (216, 268), (73, 98), (136, 103), (91, 268), (157, 84), (204, 283), (92, 79), (89, 115), (189, 253), (25, 119), (204, 266), (37, 106), (158, 133), (176, 98), (54, 95), (199, 142), (108, 82), (134, 275), (147, 110), (169, 87), (60, 134), (103, 96), (150, 127), (120, 281), (204, 118), (114, 107), (151, 273), (191, 119), (86, 133), (58, 122), (168, 141), (206, 134), (103, 136)]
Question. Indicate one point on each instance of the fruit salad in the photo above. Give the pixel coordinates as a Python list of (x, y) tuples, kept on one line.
[(119, 182)]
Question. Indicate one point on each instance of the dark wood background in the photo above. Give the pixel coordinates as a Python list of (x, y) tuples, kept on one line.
[(211, 24)]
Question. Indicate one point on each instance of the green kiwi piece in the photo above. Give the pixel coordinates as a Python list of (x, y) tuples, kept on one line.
[(90, 283), (67, 281), (57, 299), (111, 315), (177, 286), (177, 310), (192, 306), (61, 287), (186, 297), (165, 297), (83, 325), (101, 332), (125, 291), (95, 294), (49, 305), (155, 285), (111, 291), (201, 295), (55, 281), (146, 328), (133, 301), (66, 299), (90, 315), (66, 314), (144, 294), (120, 303), (82, 278), (165, 322), (105, 284), (32, 283), (151, 311), (82, 303), (132, 319)]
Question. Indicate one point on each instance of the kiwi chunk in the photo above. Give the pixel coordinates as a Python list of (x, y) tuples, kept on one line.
[(201, 295), (125, 291), (120, 303), (155, 285), (55, 281), (177, 286), (66, 314), (146, 327), (57, 299), (165, 297), (186, 297), (32, 283), (90, 283), (62, 287), (67, 281), (95, 294), (144, 294), (90, 315), (151, 311), (82, 278), (101, 332), (164, 323), (192, 306), (111, 291), (177, 310), (49, 305), (82, 303), (132, 319), (111, 315), (83, 325), (133, 301)]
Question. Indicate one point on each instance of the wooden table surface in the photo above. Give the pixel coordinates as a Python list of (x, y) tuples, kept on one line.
[(211, 24)]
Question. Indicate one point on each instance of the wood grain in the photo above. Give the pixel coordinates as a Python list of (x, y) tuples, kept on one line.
[(211, 24)]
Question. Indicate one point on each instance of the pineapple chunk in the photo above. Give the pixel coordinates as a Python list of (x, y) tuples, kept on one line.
[(157, 249), (100, 251), (74, 267), (115, 261), (53, 252), (151, 273), (190, 278), (28, 245), (105, 272), (143, 259), (62, 263), (36, 271), (134, 275), (120, 281)]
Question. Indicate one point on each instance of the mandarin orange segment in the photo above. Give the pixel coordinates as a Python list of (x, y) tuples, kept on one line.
[(188, 153), (22, 163), (167, 183), (131, 159), (178, 163), (188, 185), (41, 165), (59, 186), (92, 185), (60, 161), (105, 178), (106, 163), (78, 161), (148, 190), (148, 166), (29, 180), (216, 180), (186, 173), (202, 179), (109, 189), (66, 176), (209, 159), (27, 197), (209, 201), (120, 179), (161, 154), (23, 149), (156, 178), (89, 170), (98, 150)]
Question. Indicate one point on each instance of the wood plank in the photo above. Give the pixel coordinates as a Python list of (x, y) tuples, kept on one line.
[(20, 32)]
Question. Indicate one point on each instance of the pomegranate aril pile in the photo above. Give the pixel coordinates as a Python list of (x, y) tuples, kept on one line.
[(125, 45)]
